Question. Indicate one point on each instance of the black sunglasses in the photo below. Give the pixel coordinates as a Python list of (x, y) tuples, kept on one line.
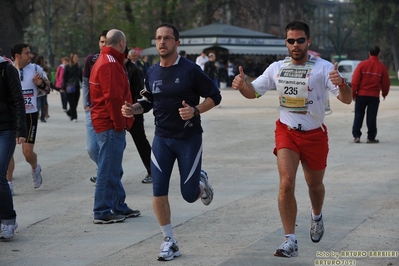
[(299, 40), (21, 74)]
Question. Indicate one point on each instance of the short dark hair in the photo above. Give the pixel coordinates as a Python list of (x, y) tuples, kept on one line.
[(298, 25), (103, 34), (17, 49), (375, 50), (173, 27), (182, 53)]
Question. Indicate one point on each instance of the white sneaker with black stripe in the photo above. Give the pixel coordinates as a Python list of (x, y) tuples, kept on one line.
[(288, 249), (316, 229), (208, 197), (169, 250)]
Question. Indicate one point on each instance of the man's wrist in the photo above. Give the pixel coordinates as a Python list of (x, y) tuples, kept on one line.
[(196, 111), (243, 85)]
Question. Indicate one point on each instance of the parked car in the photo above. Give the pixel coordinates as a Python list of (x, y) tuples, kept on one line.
[(346, 68)]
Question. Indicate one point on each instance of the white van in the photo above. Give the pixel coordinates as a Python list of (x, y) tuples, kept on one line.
[(346, 68)]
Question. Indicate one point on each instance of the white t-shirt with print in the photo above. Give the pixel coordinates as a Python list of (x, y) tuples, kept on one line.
[(29, 89), (319, 85)]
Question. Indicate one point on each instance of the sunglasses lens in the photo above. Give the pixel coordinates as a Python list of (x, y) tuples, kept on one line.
[(301, 40)]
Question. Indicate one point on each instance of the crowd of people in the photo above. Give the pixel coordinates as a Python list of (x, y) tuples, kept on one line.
[(118, 87)]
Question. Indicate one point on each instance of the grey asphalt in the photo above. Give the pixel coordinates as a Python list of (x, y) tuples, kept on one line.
[(242, 225)]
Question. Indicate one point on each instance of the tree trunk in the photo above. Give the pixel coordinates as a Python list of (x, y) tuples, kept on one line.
[(394, 42)]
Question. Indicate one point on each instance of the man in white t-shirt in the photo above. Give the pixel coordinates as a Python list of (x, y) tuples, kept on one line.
[(33, 82), (302, 82), (201, 60)]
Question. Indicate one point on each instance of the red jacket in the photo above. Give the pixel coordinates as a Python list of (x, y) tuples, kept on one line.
[(59, 75), (370, 77), (109, 89)]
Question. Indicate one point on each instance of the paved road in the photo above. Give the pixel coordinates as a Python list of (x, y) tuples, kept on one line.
[(242, 225)]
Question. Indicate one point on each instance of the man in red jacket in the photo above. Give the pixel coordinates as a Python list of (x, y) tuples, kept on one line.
[(369, 78), (109, 89)]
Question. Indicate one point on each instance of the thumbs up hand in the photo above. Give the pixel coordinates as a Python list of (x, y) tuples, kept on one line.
[(239, 80), (127, 110), (335, 77), (187, 112)]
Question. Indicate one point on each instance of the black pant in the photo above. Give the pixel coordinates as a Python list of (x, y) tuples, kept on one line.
[(140, 140), (64, 100), (230, 81), (7, 144), (372, 104), (73, 99)]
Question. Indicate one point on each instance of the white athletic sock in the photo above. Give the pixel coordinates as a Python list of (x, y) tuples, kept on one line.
[(167, 231), (291, 236), (316, 217)]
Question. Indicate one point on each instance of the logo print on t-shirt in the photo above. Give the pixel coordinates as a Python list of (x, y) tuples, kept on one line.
[(155, 88)]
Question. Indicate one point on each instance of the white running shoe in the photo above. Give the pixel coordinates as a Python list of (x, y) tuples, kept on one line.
[(316, 229), (37, 176), (8, 230), (169, 250), (288, 249), (208, 189)]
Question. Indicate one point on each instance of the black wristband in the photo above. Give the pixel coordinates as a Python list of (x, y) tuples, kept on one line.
[(196, 111)]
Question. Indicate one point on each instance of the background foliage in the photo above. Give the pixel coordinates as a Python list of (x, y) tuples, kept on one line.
[(56, 28)]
